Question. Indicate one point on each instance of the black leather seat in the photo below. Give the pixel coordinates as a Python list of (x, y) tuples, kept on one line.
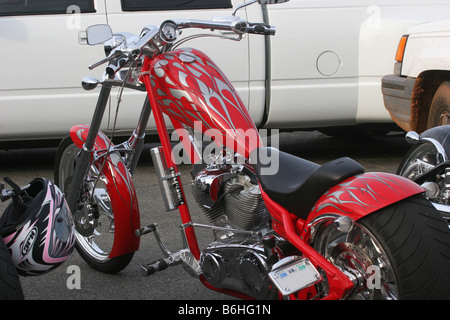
[(298, 183)]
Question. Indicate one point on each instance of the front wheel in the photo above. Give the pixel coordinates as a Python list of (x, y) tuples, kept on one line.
[(399, 252), (94, 216)]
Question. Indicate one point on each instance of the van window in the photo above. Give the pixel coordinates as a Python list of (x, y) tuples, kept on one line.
[(146, 5), (30, 7)]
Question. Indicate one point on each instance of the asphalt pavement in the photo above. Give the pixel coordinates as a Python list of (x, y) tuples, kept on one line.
[(381, 153)]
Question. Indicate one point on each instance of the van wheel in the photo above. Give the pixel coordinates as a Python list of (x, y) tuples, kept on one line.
[(439, 113)]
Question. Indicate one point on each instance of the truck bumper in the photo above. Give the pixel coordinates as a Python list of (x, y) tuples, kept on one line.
[(397, 95)]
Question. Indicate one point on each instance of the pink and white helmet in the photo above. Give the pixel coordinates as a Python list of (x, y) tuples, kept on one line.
[(37, 227)]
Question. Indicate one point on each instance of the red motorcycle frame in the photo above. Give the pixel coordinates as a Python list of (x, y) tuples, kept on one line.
[(188, 87), (388, 189)]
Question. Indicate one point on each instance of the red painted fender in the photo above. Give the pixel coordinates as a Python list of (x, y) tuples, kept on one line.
[(361, 195), (356, 197), (121, 191)]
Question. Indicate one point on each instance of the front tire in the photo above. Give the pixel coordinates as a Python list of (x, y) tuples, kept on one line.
[(94, 217), (399, 252)]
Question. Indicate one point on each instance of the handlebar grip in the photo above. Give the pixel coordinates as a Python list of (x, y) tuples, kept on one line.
[(260, 28), (116, 65)]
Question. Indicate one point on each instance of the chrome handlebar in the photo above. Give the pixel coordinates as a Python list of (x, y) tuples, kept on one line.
[(235, 24), (123, 53)]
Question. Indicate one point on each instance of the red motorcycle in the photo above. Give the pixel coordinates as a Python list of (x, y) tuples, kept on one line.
[(283, 227)]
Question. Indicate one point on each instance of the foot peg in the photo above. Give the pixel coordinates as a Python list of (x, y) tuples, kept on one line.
[(183, 256), (160, 265), (147, 229)]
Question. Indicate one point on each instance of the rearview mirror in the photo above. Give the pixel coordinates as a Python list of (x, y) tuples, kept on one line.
[(98, 33), (271, 1)]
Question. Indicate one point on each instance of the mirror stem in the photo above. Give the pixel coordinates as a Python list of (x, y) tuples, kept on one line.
[(243, 5)]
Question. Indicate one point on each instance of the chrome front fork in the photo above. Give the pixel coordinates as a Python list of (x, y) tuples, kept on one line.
[(84, 157)]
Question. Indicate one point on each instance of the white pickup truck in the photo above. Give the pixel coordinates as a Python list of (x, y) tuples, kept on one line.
[(417, 95), (322, 69)]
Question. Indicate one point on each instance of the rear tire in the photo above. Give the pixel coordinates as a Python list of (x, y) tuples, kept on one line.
[(413, 253)]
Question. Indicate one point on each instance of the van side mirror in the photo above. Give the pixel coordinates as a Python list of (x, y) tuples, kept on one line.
[(98, 33)]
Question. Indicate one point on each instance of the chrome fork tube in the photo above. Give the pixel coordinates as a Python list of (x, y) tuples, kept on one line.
[(84, 157), (136, 141)]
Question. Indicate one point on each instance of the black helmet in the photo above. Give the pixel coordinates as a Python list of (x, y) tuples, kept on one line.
[(37, 227)]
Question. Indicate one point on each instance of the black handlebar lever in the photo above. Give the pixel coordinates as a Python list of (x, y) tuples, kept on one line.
[(260, 28), (116, 64)]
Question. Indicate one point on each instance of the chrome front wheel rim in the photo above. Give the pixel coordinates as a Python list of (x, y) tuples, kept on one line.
[(94, 218)]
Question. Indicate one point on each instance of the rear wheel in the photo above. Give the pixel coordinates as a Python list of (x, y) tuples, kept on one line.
[(94, 216), (421, 158), (399, 252)]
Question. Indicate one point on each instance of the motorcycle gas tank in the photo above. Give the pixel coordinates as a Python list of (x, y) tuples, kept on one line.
[(189, 87)]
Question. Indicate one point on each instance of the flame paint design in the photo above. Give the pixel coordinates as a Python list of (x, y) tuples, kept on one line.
[(364, 194), (189, 87)]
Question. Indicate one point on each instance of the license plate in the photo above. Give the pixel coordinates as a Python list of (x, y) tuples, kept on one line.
[(292, 274)]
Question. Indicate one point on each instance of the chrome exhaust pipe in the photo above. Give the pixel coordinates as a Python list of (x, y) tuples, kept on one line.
[(165, 179)]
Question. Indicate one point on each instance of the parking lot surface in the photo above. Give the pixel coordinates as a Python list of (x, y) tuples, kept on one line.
[(374, 153)]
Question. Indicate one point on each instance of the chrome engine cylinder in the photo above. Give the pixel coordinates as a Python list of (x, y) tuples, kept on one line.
[(244, 206), (229, 196)]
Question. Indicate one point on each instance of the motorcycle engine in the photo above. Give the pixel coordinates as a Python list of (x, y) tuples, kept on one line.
[(229, 196)]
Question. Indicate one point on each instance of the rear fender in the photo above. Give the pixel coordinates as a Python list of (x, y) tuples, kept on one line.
[(121, 190), (356, 197), (362, 195)]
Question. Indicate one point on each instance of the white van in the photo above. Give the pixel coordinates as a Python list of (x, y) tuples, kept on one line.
[(322, 69)]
